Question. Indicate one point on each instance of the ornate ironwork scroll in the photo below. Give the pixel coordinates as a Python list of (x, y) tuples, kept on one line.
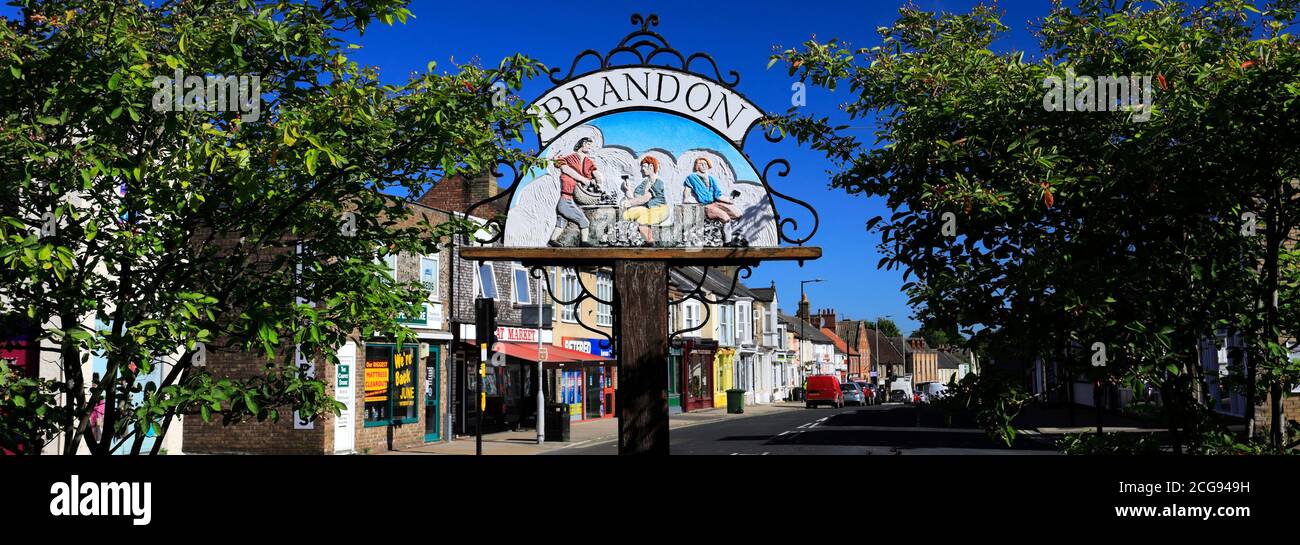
[(697, 293), (541, 274)]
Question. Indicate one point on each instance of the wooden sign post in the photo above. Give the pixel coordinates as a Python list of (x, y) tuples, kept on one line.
[(647, 172)]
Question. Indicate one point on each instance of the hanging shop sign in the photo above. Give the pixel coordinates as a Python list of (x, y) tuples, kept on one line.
[(517, 334), (597, 347)]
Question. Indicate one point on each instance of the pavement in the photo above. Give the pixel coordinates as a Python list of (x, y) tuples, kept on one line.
[(599, 434)]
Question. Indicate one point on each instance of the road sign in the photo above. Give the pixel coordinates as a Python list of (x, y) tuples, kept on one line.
[(542, 354)]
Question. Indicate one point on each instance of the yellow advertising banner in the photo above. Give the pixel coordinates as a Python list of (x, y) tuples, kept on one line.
[(376, 380), (403, 373)]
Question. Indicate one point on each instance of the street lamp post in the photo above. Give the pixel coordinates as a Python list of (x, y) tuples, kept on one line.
[(880, 377), (803, 338)]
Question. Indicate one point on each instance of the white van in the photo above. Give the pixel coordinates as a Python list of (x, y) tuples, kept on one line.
[(901, 385), (933, 390)]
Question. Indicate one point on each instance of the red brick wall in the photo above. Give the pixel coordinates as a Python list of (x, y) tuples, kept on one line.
[(456, 194), (252, 437)]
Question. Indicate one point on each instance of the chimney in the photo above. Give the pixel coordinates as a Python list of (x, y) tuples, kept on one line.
[(827, 316), (803, 309), (457, 194)]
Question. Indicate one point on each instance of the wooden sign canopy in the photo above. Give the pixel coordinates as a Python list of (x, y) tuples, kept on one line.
[(646, 170)]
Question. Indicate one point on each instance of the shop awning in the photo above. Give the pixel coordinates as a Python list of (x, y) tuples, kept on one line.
[(554, 354)]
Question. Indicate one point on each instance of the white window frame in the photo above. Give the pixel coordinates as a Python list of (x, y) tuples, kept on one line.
[(726, 324), (604, 290), (515, 269), (478, 280), (568, 279), (744, 312), (691, 311)]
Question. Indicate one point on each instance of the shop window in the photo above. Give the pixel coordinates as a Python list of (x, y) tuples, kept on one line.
[(390, 394), (571, 391)]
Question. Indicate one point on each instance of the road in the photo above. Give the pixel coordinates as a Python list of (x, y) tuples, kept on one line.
[(888, 429)]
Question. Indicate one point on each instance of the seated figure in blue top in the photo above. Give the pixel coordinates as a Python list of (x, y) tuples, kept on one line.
[(703, 189)]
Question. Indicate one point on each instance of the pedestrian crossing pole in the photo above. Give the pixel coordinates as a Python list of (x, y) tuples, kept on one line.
[(482, 397), (485, 332)]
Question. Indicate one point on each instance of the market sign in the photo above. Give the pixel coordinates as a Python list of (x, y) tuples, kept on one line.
[(516, 334)]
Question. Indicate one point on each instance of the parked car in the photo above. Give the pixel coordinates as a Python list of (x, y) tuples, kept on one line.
[(824, 390), (853, 394), (899, 396)]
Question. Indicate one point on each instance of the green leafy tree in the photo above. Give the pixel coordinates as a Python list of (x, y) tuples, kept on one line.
[(147, 226), (1108, 242), (887, 327)]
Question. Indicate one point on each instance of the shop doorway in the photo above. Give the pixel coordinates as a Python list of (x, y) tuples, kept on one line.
[(432, 395), (607, 408), (595, 385), (699, 379)]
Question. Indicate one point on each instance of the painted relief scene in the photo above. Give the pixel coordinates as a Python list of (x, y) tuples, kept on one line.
[(641, 179)]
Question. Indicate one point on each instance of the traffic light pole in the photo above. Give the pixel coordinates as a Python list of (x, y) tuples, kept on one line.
[(485, 331)]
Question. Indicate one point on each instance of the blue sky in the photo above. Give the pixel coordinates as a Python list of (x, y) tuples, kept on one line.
[(739, 37), (642, 131)]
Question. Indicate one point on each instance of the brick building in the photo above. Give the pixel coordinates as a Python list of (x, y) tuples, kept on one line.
[(386, 386), (579, 369)]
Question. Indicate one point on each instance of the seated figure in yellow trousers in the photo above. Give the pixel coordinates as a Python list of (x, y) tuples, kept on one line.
[(646, 204)]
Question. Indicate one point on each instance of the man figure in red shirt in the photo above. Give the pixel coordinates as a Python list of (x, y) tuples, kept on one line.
[(575, 168)]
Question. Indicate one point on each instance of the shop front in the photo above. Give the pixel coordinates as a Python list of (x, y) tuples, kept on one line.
[(434, 344), (697, 374), (675, 378), (584, 382), (599, 378), (724, 366)]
